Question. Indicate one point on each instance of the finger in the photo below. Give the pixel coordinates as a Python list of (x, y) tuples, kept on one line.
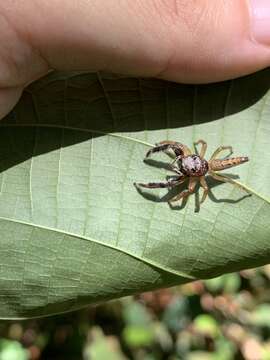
[(8, 98)]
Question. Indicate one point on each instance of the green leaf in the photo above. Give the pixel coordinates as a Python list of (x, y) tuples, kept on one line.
[(12, 350), (177, 315), (261, 316), (229, 283), (135, 314), (102, 347), (136, 336), (206, 325), (74, 230)]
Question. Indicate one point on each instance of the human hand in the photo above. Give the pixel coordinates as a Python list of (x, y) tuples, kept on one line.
[(181, 40)]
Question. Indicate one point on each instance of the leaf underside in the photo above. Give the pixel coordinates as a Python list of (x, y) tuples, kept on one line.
[(73, 228)]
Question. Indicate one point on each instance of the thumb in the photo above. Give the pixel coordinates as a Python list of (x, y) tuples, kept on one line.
[(219, 40), (179, 40)]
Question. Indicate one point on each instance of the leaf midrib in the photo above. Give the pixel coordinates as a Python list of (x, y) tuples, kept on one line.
[(86, 238)]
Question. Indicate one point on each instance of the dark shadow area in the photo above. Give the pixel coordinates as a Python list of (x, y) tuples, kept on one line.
[(212, 183), (158, 164), (63, 109)]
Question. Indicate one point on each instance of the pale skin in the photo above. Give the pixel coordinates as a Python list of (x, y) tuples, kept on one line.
[(193, 168), (194, 41)]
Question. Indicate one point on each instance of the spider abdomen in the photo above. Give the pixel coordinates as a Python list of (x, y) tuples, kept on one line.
[(193, 165), (221, 164)]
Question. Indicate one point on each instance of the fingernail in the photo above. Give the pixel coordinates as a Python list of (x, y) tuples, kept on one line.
[(260, 11)]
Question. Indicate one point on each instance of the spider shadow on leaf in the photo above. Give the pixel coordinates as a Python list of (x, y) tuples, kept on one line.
[(212, 183), (165, 198), (157, 164)]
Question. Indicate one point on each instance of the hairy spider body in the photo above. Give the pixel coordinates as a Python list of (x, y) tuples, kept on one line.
[(194, 167), (217, 164)]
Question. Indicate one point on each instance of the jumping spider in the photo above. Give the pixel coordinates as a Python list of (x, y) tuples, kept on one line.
[(193, 167)]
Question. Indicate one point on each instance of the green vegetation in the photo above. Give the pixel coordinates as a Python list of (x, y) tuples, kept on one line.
[(226, 318), (74, 230)]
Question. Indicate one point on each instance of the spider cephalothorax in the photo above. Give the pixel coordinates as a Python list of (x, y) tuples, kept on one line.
[(194, 167)]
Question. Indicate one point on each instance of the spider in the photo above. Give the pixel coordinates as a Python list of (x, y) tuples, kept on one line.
[(193, 167)]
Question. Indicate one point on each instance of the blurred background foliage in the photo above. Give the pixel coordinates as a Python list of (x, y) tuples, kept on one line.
[(219, 319)]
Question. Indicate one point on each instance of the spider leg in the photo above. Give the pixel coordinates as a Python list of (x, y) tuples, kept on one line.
[(219, 150), (186, 193), (174, 167), (205, 188), (167, 184), (224, 178), (203, 148), (178, 148)]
